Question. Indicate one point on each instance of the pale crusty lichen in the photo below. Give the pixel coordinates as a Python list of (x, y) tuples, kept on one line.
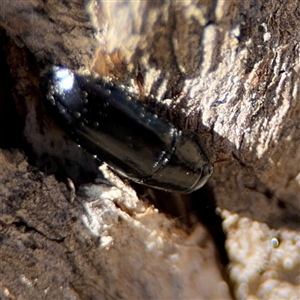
[(147, 252), (264, 262)]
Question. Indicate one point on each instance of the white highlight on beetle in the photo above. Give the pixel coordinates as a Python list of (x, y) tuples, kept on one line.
[(64, 79)]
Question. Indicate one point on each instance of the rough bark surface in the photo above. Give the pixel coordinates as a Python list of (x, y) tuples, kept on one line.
[(228, 70)]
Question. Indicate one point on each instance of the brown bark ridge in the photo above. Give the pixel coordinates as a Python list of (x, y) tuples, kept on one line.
[(228, 70)]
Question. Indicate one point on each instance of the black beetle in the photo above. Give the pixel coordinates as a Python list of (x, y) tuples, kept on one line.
[(131, 138)]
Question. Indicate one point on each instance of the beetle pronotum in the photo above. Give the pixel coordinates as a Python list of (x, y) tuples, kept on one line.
[(131, 138)]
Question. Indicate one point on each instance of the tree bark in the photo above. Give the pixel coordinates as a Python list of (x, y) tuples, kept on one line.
[(228, 70)]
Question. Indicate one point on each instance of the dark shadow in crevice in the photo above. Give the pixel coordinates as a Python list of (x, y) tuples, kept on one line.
[(204, 206), (10, 121), (61, 168)]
